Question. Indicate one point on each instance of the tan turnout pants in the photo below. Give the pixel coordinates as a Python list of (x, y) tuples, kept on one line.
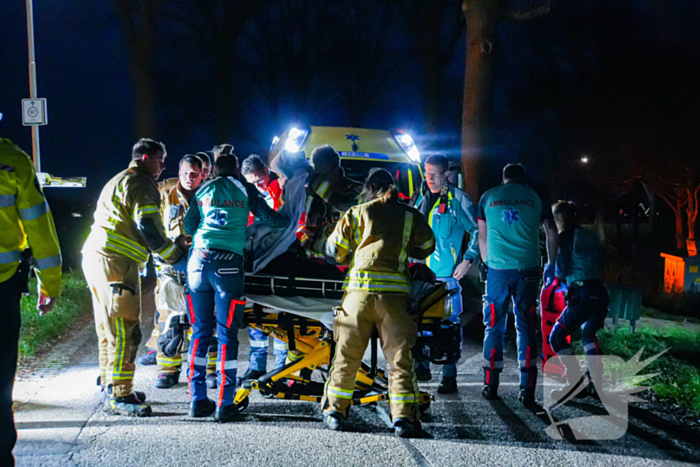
[(115, 286), (359, 315)]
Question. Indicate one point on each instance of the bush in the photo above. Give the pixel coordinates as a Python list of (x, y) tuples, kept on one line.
[(73, 304)]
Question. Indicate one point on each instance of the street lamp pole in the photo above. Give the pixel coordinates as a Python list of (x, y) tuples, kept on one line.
[(32, 83)]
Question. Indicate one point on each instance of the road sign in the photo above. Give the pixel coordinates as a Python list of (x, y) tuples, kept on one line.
[(34, 112)]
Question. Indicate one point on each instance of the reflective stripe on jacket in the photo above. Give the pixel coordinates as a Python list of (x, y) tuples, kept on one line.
[(377, 238), (26, 221), (128, 200), (449, 228)]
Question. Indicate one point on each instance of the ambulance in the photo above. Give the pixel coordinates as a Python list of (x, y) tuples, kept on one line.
[(360, 150)]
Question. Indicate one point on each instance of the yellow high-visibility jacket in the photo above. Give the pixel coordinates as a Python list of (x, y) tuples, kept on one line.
[(128, 221), (377, 238), (26, 221), (173, 207)]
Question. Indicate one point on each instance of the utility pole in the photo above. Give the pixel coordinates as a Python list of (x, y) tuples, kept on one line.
[(36, 149)]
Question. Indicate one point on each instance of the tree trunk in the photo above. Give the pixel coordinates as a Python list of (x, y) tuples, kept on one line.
[(140, 32), (679, 224), (482, 18), (432, 68), (691, 210)]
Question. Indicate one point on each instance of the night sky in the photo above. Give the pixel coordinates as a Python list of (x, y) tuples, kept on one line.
[(616, 80)]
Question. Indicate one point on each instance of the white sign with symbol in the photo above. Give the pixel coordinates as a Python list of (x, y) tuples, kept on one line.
[(34, 112)]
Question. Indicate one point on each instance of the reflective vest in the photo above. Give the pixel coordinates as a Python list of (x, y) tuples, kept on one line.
[(127, 198), (377, 238), (26, 221)]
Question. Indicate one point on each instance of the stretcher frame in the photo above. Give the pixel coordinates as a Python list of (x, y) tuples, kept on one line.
[(315, 343)]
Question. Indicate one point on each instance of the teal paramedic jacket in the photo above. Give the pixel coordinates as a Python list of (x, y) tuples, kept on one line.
[(457, 217), (218, 214), (580, 256), (513, 213)]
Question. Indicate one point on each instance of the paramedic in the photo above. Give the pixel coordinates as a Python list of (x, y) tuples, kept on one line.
[(217, 220), (451, 214), (579, 264), (509, 217)]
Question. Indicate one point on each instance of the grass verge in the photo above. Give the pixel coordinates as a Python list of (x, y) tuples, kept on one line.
[(73, 304), (679, 376)]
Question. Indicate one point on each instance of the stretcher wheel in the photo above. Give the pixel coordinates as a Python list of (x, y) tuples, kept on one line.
[(244, 404)]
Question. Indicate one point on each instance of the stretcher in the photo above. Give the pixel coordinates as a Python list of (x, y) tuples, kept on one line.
[(299, 311)]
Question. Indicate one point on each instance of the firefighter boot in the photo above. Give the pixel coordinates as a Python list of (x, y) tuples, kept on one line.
[(491, 380), (167, 380), (333, 421), (130, 406), (404, 428)]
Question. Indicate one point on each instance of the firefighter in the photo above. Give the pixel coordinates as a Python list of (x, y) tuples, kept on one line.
[(579, 265), (331, 193), (127, 228), (451, 214), (174, 203), (509, 217), (257, 174), (217, 220), (377, 238), (25, 222)]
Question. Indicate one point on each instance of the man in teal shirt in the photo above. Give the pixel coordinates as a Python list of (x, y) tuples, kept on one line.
[(509, 217)]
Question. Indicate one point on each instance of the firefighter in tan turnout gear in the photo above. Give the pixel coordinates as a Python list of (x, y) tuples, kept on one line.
[(377, 238), (127, 228), (170, 292), (25, 222)]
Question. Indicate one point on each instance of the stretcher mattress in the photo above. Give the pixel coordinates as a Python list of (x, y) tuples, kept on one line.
[(319, 309)]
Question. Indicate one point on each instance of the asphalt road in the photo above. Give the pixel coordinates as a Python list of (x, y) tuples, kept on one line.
[(61, 423)]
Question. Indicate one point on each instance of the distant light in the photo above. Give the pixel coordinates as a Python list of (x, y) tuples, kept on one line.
[(295, 138), (1, 115), (76, 214), (407, 144), (585, 159)]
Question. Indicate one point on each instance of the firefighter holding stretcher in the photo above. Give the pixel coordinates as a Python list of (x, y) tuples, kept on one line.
[(376, 239)]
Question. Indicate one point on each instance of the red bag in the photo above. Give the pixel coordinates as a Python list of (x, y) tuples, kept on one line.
[(552, 304)]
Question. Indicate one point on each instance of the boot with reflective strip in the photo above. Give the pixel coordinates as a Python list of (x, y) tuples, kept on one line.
[(129, 406)]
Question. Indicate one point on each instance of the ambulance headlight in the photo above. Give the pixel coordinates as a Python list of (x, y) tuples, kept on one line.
[(407, 144), (295, 138)]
